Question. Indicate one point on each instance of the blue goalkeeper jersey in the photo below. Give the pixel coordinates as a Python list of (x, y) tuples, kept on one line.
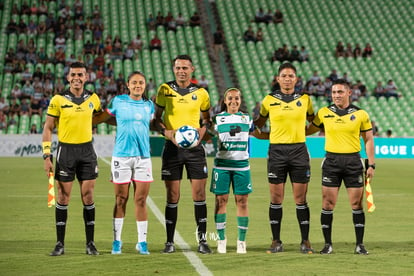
[(132, 132)]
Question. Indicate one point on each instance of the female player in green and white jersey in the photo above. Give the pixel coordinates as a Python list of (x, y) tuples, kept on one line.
[(231, 167)]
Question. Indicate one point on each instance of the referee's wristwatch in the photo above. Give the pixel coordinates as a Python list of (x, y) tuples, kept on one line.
[(371, 166), (46, 156)]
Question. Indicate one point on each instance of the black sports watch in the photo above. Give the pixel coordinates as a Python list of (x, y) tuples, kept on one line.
[(371, 166)]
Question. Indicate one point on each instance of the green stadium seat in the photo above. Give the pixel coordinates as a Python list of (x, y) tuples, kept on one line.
[(12, 129), (102, 129), (24, 125)]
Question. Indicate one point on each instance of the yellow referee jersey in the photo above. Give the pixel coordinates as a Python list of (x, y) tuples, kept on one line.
[(342, 127), (75, 116), (182, 106), (287, 115)]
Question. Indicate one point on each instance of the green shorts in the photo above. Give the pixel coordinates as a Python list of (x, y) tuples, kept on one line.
[(239, 180)]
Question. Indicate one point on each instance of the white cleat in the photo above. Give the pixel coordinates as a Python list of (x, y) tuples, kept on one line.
[(221, 246), (241, 247)]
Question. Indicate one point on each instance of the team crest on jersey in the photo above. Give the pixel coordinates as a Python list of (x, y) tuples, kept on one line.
[(352, 118), (299, 103), (194, 97), (90, 105)]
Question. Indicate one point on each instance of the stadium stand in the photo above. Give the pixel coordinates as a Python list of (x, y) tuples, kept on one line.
[(123, 18), (317, 25)]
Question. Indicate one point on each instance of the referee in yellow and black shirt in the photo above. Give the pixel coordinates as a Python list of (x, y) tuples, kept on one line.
[(71, 113), (343, 124), (287, 112), (178, 103)]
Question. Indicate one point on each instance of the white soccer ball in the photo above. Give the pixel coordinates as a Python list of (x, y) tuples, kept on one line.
[(187, 137)]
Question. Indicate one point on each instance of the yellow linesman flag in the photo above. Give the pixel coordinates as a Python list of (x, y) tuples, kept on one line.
[(369, 196), (51, 191)]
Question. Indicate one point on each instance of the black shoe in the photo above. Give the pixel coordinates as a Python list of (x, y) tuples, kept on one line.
[(277, 246), (327, 249), (203, 248), (91, 249), (306, 248), (59, 250), (169, 248), (360, 249)]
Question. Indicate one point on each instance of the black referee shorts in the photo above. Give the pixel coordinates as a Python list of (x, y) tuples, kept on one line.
[(78, 160), (288, 159), (338, 167), (174, 159)]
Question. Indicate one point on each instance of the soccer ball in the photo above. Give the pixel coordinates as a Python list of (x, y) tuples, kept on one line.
[(187, 137)]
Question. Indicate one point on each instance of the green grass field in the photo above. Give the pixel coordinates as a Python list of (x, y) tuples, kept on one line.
[(27, 232)]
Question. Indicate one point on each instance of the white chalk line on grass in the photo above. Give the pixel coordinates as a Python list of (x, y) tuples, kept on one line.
[(191, 256)]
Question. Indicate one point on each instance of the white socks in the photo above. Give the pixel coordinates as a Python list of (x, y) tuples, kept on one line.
[(142, 227), (118, 223)]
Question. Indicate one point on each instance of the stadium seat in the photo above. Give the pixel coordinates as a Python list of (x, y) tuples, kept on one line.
[(12, 129), (102, 128), (312, 24)]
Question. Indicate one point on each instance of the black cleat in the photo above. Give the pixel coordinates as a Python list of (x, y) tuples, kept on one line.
[(169, 248), (327, 249), (203, 248), (91, 249), (59, 249), (360, 249), (306, 248), (277, 246)]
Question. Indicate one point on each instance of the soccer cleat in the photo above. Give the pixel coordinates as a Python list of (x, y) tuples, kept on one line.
[(91, 249), (360, 249), (59, 249), (277, 246), (306, 248), (169, 248), (327, 249), (142, 248), (203, 248), (241, 247), (116, 247), (221, 246)]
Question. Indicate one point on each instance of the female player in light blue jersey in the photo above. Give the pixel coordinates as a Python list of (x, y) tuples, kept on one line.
[(231, 167), (131, 162)]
